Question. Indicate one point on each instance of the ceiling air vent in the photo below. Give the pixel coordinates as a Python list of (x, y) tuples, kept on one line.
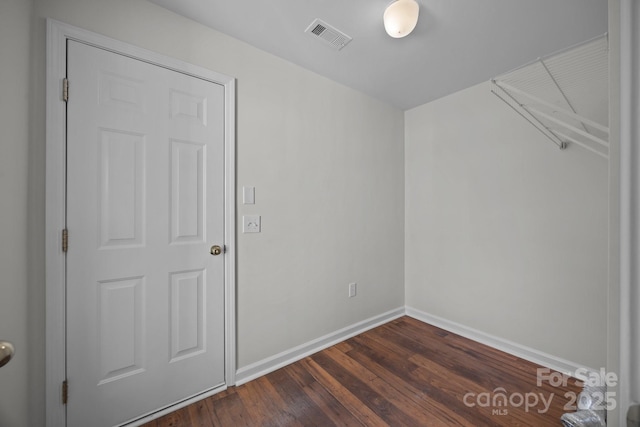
[(328, 34)]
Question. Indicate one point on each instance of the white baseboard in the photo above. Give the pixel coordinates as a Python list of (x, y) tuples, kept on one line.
[(270, 364), (524, 352)]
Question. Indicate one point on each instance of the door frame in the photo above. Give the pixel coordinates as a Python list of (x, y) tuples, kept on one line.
[(625, 345), (55, 271)]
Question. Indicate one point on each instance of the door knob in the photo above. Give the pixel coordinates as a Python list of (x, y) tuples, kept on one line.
[(216, 250), (6, 352)]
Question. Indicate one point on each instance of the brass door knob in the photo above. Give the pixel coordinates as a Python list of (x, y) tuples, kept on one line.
[(216, 250), (6, 352)]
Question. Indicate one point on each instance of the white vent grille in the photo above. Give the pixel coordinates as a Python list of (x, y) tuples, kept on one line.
[(328, 34)]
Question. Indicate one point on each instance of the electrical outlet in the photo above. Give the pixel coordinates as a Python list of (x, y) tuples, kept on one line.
[(352, 289)]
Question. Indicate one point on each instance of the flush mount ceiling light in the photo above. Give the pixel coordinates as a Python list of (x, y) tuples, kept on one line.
[(401, 17)]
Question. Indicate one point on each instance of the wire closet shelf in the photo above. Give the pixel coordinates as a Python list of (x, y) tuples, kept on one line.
[(564, 95)]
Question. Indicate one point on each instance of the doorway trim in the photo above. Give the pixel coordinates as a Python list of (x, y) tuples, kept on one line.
[(57, 35)]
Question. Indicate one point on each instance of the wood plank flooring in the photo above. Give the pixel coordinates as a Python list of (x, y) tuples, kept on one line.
[(404, 373)]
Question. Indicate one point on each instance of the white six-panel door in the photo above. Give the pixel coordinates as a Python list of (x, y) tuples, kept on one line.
[(145, 202)]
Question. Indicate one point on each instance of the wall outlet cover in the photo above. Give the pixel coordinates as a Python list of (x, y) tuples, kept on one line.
[(251, 224)]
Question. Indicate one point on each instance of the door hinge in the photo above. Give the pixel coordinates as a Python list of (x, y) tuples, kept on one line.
[(65, 89), (65, 240), (65, 392)]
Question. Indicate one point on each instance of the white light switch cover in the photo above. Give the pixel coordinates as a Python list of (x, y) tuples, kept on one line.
[(251, 224), (249, 195)]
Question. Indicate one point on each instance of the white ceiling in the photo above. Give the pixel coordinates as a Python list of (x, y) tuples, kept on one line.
[(456, 44)]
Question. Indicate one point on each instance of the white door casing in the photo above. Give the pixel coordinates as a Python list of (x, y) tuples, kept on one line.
[(161, 246)]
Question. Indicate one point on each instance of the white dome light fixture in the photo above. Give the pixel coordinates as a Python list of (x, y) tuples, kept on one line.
[(401, 17)]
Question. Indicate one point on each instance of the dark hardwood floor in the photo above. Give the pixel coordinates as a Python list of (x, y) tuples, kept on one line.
[(404, 373)]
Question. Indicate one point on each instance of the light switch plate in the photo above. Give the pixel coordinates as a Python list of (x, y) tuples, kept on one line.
[(251, 224), (249, 195), (353, 288)]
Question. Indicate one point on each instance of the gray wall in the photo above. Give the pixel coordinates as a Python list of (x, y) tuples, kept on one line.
[(505, 233), (15, 320)]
